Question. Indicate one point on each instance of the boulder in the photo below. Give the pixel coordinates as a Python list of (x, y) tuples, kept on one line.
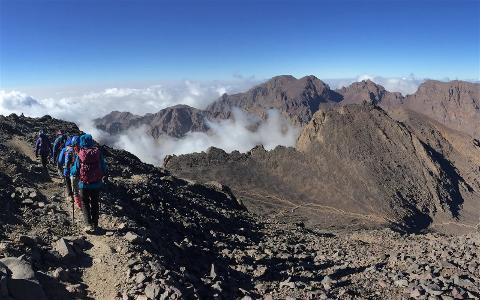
[(152, 291), (132, 237), (23, 283), (64, 248)]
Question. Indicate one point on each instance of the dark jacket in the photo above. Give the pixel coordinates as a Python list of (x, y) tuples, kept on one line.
[(43, 146)]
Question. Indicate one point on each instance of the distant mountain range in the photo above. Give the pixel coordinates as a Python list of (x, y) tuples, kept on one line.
[(455, 104)]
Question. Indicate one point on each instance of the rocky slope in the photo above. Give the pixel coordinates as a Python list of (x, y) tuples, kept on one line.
[(455, 104), (168, 238), (354, 166), (296, 99), (370, 92)]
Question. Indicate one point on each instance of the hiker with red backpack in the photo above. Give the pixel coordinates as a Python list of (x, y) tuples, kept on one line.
[(91, 168), (43, 148)]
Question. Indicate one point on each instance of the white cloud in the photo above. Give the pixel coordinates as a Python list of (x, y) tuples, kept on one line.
[(232, 134), (11, 100), (85, 106), (405, 85)]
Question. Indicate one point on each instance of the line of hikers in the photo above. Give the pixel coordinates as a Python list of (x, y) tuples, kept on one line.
[(82, 166)]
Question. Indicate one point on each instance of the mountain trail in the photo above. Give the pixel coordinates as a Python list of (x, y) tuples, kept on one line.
[(105, 267)]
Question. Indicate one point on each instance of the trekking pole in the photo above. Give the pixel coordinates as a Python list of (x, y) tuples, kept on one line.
[(73, 211)]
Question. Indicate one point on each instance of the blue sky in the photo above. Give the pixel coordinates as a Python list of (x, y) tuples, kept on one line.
[(61, 43)]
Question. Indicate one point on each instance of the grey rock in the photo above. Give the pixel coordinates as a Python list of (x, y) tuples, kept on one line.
[(61, 274), (213, 274), (64, 248), (288, 283), (415, 293), (152, 290), (132, 237), (27, 202), (19, 268), (217, 286), (23, 285), (140, 277)]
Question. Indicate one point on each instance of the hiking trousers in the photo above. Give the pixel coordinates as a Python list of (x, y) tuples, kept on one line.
[(74, 182), (44, 159), (90, 206), (68, 186)]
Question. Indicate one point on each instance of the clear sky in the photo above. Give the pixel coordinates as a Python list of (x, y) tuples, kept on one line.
[(55, 43)]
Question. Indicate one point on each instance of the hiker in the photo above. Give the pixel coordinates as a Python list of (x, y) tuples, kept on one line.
[(74, 178), (90, 167), (58, 145), (43, 148), (65, 165)]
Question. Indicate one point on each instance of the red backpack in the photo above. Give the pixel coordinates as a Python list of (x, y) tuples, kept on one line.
[(90, 168)]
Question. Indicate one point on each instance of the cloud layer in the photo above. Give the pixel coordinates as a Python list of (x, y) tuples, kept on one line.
[(405, 85), (89, 105), (229, 135)]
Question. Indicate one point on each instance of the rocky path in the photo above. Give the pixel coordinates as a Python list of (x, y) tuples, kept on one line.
[(103, 261)]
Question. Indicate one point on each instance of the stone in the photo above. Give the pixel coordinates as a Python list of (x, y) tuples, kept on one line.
[(213, 274), (327, 283), (401, 282), (19, 268), (140, 277), (415, 293), (288, 283), (152, 290), (74, 288), (22, 284), (27, 202), (132, 237), (217, 286), (64, 248)]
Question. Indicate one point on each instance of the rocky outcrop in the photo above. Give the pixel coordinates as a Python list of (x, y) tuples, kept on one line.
[(455, 104), (296, 99), (370, 92), (173, 121), (116, 122)]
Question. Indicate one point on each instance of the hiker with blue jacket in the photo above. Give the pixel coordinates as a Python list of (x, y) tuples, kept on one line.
[(73, 178), (64, 163), (90, 167), (58, 145), (43, 148)]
